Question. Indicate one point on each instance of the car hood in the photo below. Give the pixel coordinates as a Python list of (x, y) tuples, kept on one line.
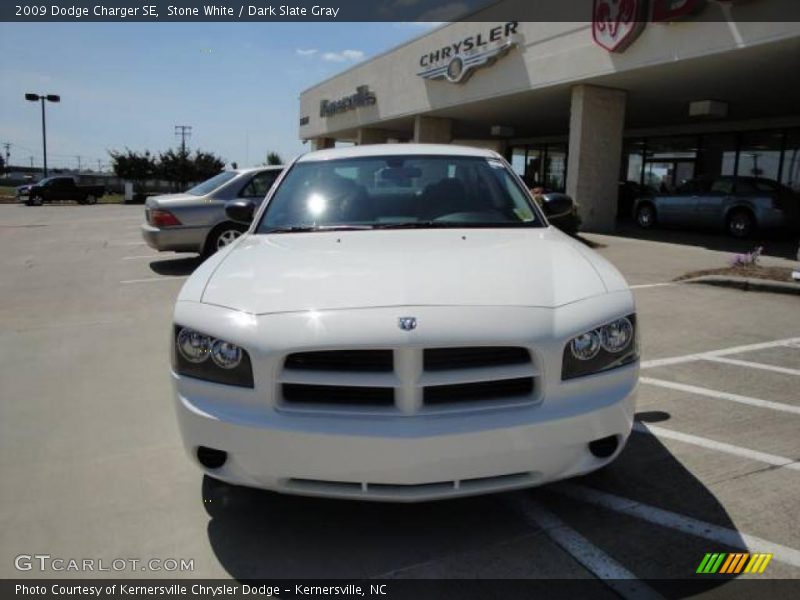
[(458, 267)]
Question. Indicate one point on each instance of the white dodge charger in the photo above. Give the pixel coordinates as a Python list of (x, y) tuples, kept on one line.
[(401, 323)]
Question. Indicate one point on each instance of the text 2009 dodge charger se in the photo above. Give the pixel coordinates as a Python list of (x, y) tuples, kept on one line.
[(401, 323)]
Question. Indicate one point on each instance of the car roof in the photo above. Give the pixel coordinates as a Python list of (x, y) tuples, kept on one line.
[(397, 149), (253, 169)]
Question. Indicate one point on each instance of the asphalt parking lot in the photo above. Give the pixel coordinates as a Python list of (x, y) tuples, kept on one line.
[(92, 466)]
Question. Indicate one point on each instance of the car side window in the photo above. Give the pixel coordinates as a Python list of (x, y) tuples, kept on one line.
[(746, 188), (259, 185), (722, 186)]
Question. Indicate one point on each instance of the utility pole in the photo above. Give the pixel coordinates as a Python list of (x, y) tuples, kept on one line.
[(99, 169), (184, 131), (31, 162), (7, 146), (79, 163)]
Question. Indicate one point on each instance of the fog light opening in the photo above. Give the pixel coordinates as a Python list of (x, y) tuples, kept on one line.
[(211, 458), (604, 447)]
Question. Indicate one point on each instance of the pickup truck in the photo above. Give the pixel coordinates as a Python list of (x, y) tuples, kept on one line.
[(59, 188)]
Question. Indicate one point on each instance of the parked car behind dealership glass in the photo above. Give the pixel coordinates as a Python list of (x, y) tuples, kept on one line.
[(401, 323), (740, 205), (195, 221), (51, 189)]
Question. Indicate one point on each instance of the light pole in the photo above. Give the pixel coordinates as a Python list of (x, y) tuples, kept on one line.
[(43, 98)]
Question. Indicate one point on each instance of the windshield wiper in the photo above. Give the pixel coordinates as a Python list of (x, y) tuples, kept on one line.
[(448, 225), (312, 228), (417, 225)]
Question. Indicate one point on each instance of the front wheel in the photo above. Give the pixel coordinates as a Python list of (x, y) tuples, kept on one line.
[(646, 216), (91, 199), (37, 201)]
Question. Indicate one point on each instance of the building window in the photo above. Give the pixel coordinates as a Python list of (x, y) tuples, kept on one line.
[(633, 165), (760, 154), (518, 160), (542, 165), (555, 167), (533, 167), (790, 173), (717, 156)]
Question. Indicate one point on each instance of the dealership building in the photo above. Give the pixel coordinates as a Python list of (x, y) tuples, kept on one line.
[(678, 89)]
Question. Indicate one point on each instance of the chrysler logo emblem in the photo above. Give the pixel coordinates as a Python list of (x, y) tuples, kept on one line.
[(407, 323)]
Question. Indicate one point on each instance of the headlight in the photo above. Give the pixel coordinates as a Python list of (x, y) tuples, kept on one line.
[(605, 347), (193, 346), (198, 355)]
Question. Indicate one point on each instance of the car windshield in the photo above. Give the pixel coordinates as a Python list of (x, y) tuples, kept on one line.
[(394, 192), (209, 185)]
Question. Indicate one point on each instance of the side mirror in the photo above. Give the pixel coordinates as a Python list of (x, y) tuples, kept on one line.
[(557, 205), (240, 210)]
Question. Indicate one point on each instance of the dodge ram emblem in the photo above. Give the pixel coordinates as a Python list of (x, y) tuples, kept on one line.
[(617, 23), (407, 323)]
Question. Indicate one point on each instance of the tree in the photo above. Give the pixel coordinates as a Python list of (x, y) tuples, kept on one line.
[(178, 166), (173, 166), (133, 166), (273, 158), (206, 165)]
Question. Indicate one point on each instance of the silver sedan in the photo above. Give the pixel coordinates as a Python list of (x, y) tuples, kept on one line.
[(195, 221)]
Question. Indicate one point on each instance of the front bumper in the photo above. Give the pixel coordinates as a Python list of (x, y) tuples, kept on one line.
[(395, 456), (176, 239)]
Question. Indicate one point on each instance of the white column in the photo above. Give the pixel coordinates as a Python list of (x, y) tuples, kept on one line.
[(432, 130), (321, 143), (596, 125), (368, 135)]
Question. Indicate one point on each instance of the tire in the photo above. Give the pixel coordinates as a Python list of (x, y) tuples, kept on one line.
[(221, 236), (37, 201), (646, 215), (740, 224), (90, 199)]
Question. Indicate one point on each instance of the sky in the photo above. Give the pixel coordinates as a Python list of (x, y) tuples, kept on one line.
[(126, 85)]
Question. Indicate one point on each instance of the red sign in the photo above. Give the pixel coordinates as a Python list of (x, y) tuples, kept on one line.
[(617, 23)]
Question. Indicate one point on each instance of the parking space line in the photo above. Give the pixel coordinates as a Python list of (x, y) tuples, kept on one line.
[(676, 360), (152, 279), (671, 434), (701, 391), (600, 564), (752, 365), (678, 522), (140, 256)]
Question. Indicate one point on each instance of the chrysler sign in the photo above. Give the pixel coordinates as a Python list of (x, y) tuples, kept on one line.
[(456, 62)]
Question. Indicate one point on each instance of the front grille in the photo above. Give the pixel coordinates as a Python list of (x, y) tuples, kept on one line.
[(294, 393), (342, 360), (408, 380), (475, 392), (443, 359)]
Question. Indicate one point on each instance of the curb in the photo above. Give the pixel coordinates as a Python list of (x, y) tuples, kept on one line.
[(748, 284)]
